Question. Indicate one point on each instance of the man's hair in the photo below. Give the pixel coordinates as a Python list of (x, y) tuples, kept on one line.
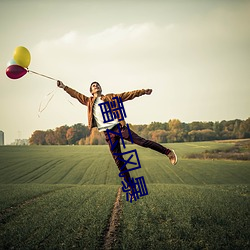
[(90, 88)]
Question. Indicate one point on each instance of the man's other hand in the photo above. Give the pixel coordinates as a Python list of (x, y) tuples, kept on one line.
[(60, 84), (148, 91)]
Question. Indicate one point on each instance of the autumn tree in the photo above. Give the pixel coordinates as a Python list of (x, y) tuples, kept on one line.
[(95, 137), (202, 135), (142, 130), (50, 137), (70, 136), (159, 135), (175, 133), (157, 126), (245, 129), (172, 131), (38, 138), (76, 133), (60, 134)]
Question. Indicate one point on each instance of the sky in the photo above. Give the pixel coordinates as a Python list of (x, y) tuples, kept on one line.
[(195, 55)]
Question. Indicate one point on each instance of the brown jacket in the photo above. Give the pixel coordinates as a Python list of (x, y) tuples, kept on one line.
[(89, 101)]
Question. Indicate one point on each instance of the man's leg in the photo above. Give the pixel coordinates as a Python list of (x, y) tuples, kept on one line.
[(117, 149), (143, 142), (149, 144)]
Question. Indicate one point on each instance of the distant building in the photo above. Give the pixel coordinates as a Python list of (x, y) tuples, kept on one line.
[(1, 138)]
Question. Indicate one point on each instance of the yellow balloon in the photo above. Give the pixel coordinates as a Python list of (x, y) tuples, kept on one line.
[(22, 56)]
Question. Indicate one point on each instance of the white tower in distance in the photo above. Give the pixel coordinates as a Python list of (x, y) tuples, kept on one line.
[(1, 138)]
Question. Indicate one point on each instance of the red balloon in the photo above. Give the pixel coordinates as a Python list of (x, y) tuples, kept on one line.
[(15, 71)]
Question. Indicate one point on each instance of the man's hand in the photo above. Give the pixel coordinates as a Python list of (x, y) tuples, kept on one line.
[(148, 91), (60, 84)]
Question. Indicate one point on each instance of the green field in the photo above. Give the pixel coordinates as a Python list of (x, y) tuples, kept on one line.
[(62, 197)]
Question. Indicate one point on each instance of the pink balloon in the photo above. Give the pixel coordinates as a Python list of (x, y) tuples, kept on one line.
[(15, 71)]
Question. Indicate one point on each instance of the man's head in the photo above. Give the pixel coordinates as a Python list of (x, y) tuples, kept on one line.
[(95, 87)]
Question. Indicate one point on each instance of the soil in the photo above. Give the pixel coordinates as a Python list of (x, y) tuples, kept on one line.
[(112, 231)]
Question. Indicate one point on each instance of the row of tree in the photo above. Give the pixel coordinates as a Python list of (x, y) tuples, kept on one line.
[(172, 131)]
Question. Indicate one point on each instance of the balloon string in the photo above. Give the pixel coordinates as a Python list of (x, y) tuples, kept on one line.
[(50, 96), (71, 103), (31, 71)]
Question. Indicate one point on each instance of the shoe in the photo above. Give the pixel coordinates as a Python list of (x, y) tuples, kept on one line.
[(172, 157)]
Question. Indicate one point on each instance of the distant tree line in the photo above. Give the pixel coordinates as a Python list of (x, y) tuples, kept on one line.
[(172, 131), (238, 151)]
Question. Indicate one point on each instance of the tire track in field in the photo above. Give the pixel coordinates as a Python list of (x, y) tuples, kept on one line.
[(112, 229), (84, 181), (67, 172), (48, 169), (46, 166), (17, 164), (6, 214), (195, 178), (176, 175)]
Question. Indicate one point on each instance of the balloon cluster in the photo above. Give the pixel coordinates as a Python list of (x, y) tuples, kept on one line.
[(18, 65)]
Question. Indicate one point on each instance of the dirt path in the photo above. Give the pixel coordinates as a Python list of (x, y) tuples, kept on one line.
[(111, 235)]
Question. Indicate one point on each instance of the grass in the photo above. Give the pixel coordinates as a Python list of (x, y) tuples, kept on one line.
[(240, 150), (57, 165), (61, 197), (187, 217), (69, 217)]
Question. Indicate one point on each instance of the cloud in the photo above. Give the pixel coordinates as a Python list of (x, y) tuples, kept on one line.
[(107, 38), (68, 38), (113, 41), (114, 47), (201, 41), (119, 35)]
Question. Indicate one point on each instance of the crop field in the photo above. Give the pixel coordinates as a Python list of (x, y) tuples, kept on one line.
[(69, 197)]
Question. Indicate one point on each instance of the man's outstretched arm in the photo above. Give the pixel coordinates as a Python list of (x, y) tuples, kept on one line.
[(80, 97), (132, 94)]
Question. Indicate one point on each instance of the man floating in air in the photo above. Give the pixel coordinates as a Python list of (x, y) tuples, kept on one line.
[(119, 130)]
